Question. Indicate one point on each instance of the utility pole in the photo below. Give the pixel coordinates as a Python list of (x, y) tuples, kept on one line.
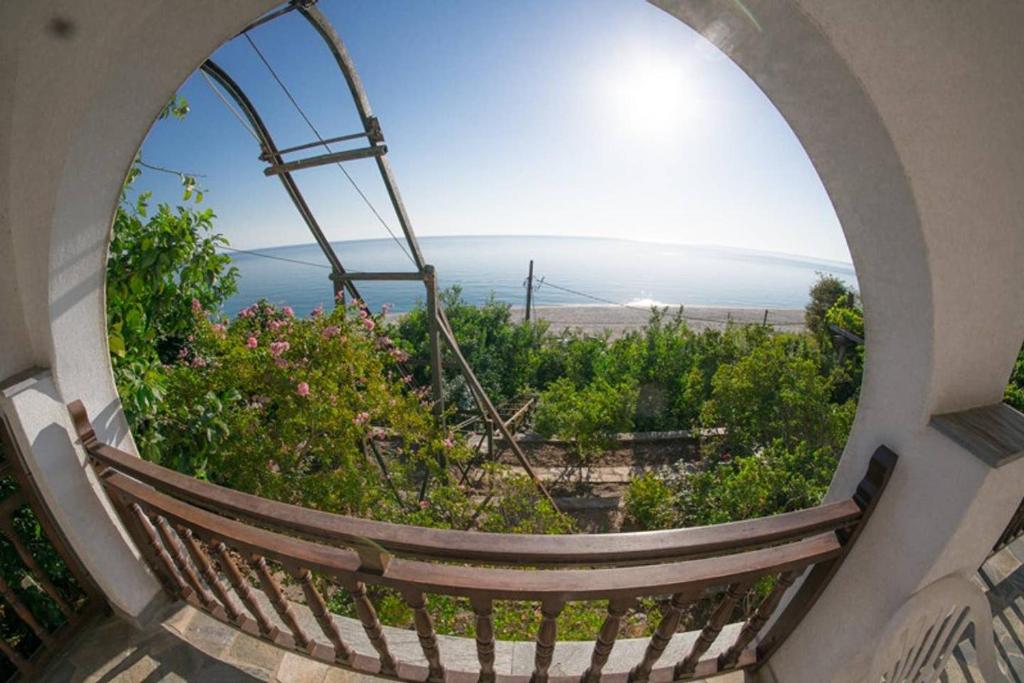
[(529, 291), (430, 280)]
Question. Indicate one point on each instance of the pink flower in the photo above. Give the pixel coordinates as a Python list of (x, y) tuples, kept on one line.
[(219, 329), (248, 312), (279, 347), (199, 362), (280, 362), (449, 443), (288, 311), (407, 379), (317, 312), (369, 324), (340, 297), (386, 308), (424, 504), (330, 331), (275, 325), (361, 418), (302, 389), (251, 342), (196, 305)]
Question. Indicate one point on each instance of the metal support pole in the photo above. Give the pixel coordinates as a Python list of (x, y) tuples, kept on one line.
[(436, 371), (529, 291)]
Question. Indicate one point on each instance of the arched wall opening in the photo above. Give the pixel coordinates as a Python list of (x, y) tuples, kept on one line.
[(922, 277)]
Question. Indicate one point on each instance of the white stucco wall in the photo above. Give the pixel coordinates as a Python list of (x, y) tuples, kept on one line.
[(910, 112), (73, 111)]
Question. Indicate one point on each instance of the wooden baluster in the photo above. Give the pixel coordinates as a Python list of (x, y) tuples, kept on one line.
[(660, 638), (316, 604), (425, 632), (372, 626), (606, 639), (184, 590), (174, 547), (546, 634), (757, 621), (714, 626), (280, 603), (244, 591), (8, 531), (485, 646), (22, 664), (24, 612), (210, 574)]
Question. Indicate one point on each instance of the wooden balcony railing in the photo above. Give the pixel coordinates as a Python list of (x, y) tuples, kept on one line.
[(236, 556), (46, 596)]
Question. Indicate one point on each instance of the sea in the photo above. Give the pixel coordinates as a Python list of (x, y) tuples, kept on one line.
[(568, 271)]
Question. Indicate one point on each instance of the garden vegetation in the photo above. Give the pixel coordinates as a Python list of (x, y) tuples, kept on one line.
[(332, 412)]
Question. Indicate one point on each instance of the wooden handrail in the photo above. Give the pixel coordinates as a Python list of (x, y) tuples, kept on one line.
[(201, 539), (690, 576), (472, 546)]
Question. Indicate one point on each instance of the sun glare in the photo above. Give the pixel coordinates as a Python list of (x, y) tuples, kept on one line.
[(650, 96)]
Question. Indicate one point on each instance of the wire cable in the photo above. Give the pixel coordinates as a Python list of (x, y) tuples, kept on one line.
[(238, 115), (276, 258), (351, 180)]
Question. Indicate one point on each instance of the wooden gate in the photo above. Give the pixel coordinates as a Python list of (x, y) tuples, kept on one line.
[(45, 594)]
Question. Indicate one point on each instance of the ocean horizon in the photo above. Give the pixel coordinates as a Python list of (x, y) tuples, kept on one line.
[(568, 271)]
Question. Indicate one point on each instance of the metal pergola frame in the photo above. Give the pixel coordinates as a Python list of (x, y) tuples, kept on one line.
[(439, 328)]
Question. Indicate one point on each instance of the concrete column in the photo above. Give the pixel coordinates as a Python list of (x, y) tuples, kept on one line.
[(36, 411)]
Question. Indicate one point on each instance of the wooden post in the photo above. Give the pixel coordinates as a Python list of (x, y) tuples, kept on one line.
[(430, 280), (529, 291), (764, 323)]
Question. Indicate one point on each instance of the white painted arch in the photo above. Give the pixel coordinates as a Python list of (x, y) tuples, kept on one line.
[(909, 112)]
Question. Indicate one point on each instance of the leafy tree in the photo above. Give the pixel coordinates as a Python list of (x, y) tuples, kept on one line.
[(775, 393), (825, 293), (591, 416), (847, 367), (162, 265), (504, 355)]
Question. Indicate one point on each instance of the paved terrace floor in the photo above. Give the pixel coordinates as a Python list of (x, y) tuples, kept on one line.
[(186, 645)]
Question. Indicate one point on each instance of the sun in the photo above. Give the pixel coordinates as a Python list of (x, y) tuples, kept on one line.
[(650, 96)]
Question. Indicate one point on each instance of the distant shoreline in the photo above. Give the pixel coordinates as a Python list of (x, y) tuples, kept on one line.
[(619, 320)]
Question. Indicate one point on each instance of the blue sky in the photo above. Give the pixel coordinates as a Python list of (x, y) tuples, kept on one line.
[(571, 117)]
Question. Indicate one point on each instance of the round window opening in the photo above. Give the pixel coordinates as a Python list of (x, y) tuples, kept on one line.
[(611, 296)]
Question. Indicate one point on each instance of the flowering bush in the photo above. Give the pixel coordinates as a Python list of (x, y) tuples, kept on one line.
[(292, 409)]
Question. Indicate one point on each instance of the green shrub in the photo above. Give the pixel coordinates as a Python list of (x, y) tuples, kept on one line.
[(776, 479), (161, 267), (650, 503), (590, 416), (825, 293), (774, 393), (504, 355)]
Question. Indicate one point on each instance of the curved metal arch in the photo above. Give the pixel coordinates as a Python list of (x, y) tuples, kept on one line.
[(270, 152), (439, 327)]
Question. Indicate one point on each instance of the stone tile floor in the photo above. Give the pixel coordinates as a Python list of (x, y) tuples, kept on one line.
[(186, 645), (1002, 578)]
